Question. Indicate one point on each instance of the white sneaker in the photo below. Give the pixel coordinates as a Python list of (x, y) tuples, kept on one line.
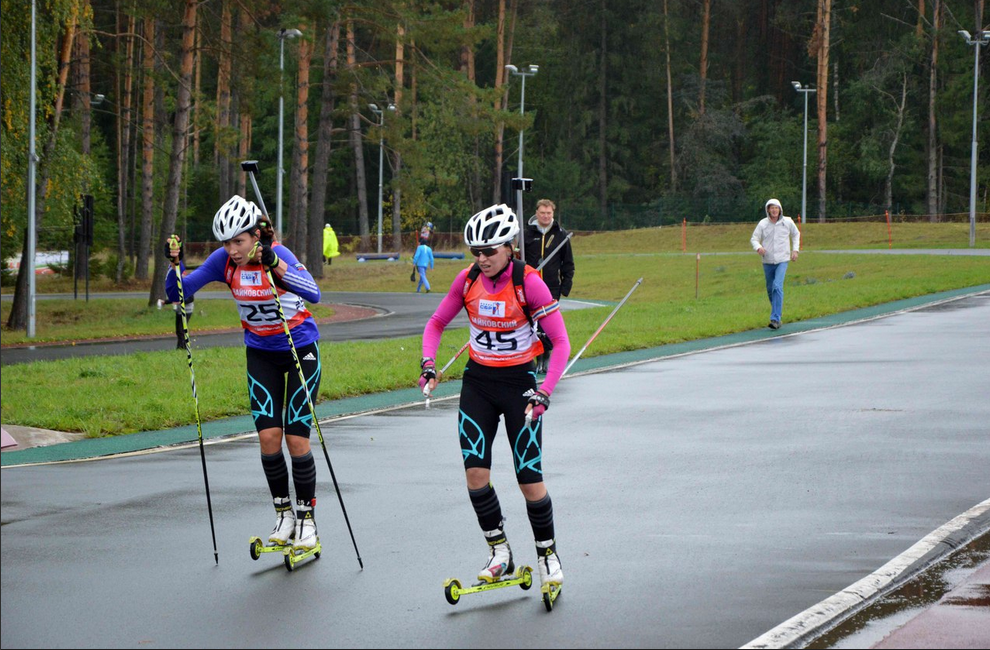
[(549, 563), (500, 557), (285, 524), (306, 535)]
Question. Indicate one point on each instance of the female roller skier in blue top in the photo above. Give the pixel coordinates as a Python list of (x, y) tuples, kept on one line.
[(273, 382)]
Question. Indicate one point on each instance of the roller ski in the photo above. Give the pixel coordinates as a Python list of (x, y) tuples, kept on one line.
[(453, 590), (497, 573), (282, 534), (307, 542), (551, 575)]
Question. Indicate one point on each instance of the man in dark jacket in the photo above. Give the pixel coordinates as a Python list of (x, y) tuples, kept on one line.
[(543, 235)]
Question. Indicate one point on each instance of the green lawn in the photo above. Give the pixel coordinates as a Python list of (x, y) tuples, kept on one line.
[(148, 391), (110, 318)]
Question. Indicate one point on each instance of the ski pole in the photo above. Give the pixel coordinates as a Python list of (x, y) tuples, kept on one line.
[(251, 167), (192, 379), (601, 327), (465, 346)]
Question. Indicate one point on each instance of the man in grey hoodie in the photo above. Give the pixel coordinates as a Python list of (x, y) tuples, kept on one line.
[(778, 241)]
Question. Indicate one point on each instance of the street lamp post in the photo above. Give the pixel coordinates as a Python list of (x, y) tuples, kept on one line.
[(32, 233), (282, 35), (805, 90), (530, 71), (381, 162), (982, 39)]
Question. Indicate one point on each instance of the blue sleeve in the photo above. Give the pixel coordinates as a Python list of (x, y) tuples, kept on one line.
[(297, 278), (211, 271), (430, 252)]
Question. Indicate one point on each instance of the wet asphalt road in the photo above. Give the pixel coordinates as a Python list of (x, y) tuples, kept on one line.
[(700, 501)]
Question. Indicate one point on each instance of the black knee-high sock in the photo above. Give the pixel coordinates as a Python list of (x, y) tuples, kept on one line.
[(277, 474), (541, 518), (304, 477), (487, 507)]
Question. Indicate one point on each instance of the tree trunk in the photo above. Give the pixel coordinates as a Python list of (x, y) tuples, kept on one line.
[(740, 64), (888, 193), (84, 87), (835, 89), (18, 318), (920, 29), (602, 119), (197, 85), (317, 207), (467, 50), (221, 151), (147, 153), (246, 30), (932, 196), (179, 133), (299, 174), (670, 100), (124, 147), (823, 30), (357, 144), (397, 170), (500, 81), (706, 15)]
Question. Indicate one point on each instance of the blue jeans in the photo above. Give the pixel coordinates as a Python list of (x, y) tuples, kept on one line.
[(423, 282), (775, 287)]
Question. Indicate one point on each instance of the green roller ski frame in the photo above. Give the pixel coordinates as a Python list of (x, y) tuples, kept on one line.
[(453, 590), (292, 558), (550, 592), (257, 547)]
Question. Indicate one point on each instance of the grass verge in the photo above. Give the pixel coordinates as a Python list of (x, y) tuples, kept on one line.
[(150, 391)]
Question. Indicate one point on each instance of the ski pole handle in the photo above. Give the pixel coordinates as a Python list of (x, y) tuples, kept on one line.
[(251, 166)]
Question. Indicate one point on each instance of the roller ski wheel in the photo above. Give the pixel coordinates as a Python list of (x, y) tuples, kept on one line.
[(291, 557), (257, 547), (550, 592), (453, 590)]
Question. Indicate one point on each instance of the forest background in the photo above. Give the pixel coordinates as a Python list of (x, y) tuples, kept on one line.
[(640, 114)]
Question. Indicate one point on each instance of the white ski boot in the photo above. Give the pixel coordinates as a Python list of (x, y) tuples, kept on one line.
[(285, 525), (306, 536), (500, 558), (549, 563)]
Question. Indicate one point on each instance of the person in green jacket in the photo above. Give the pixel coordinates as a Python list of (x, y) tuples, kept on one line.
[(330, 246)]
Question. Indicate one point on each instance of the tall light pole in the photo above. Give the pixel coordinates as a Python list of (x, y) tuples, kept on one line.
[(530, 71), (381, 162), (976, 43), (282, 35), (805, 90), (32, 233)]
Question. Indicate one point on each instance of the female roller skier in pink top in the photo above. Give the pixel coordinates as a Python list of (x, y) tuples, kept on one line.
[(504, 298)]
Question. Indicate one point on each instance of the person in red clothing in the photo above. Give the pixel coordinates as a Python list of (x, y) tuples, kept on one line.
[(504, 300)]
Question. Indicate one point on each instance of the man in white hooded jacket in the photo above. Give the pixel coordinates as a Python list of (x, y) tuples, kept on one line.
[(778, 241)]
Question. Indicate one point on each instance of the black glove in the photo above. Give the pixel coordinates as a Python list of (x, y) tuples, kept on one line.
[(267, 232), (268, 256), (540, 401), (171, 244), (429, 371)]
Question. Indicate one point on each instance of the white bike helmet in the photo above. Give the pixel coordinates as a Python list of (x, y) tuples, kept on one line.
[(492, 226), (235, 216)]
